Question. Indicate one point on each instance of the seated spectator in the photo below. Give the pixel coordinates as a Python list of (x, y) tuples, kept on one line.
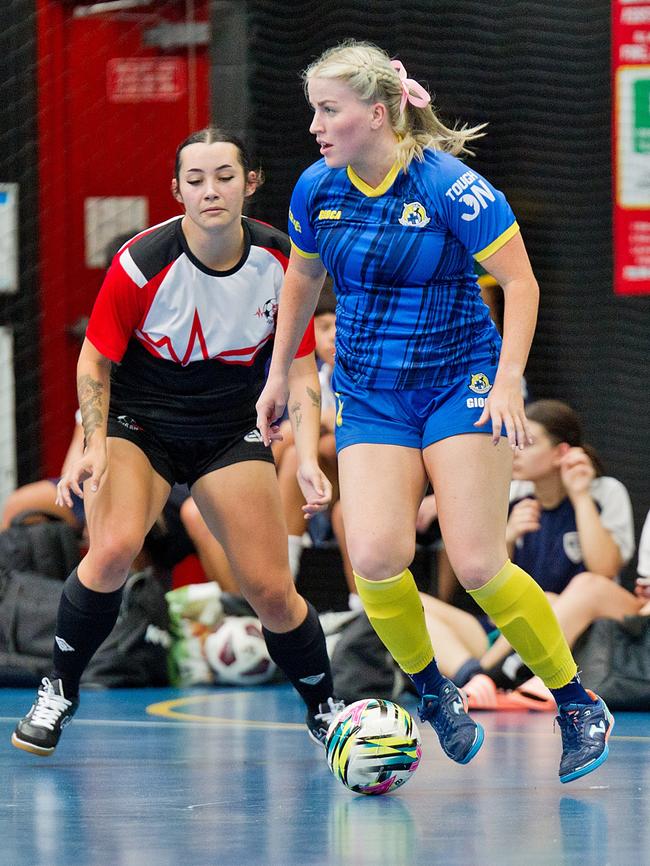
[(642, 588), (571, 527), (286, 459), (41, 495), (211, 554)]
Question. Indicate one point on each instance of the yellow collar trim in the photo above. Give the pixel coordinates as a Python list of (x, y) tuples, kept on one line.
[(374, 191)]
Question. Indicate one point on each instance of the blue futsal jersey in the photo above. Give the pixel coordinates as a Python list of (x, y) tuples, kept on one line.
[(409, 311)]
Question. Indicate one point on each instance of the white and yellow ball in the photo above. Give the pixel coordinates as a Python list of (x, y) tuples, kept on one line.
[(373, 746)]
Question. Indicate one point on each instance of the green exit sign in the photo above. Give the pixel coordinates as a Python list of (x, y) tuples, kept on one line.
[(642, 116)]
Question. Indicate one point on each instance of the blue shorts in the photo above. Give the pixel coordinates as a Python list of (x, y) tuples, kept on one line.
[(416, 418)]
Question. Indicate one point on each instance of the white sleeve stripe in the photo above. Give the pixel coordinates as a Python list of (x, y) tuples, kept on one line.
[(132, 269), (615, 513)]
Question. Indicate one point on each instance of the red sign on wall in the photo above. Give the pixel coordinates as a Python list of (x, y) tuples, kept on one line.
[(146, 79), (631, 145)]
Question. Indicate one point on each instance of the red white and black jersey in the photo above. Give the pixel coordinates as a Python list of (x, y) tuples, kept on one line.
[(190, 344)]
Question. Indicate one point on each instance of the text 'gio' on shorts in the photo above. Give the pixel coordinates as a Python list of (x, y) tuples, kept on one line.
[(414, 419)]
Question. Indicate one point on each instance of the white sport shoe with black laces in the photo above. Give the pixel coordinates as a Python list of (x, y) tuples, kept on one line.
[(318, 722), (40, 730)]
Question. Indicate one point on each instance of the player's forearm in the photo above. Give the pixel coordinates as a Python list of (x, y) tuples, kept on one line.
[(600, 553), (93, 391), (519, 318), (304, 407)]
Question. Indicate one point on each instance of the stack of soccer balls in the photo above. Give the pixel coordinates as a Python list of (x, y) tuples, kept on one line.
[(373, 746)]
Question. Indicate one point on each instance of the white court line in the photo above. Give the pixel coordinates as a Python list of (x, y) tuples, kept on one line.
[(278, 726)]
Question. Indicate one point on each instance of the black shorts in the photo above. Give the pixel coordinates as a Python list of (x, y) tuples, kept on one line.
[(183, 461)]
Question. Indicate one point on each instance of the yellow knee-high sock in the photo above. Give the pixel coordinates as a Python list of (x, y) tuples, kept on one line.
[(394, 609), (522, 612)]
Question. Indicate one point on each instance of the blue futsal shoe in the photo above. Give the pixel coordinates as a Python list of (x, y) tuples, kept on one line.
[(460, 736), (585, 731)]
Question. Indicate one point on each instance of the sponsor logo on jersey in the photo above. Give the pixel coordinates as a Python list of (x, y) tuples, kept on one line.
[(329, 214), (128, 422), (475, 197), (253, 436), (479, 383), (268, 311), (63, 645), (414, 214), (475, 402), (294, 222), (459, 186)]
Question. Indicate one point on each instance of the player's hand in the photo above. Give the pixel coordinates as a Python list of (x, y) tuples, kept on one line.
[(427, 513), (270, 406), (315, 487), (642, 587), (524, 518), (505, 407), (90, 467), (577, 472)]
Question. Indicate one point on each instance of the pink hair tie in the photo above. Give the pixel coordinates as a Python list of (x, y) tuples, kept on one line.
[(411, 91)]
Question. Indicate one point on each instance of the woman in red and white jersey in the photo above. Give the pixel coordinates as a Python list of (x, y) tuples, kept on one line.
[(168, 376)]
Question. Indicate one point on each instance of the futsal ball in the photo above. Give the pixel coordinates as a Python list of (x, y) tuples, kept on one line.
[(237, 652), (373, 746)]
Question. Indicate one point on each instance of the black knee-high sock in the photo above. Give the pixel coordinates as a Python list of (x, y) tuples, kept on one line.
[(302, 655), (84, 621)]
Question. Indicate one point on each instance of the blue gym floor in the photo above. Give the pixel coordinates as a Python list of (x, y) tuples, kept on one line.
[(163, 777)]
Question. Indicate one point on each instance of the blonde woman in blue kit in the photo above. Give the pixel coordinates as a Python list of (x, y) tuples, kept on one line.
[(426, 389)]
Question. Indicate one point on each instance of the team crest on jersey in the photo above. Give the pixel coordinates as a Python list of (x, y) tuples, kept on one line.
[(479, 383), (414, 215), (268, 311), (571, 545)]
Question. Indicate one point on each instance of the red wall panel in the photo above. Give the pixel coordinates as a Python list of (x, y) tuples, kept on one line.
[(93, 145)]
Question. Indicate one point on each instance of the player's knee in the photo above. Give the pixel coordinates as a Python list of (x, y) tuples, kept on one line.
[(113, 555), (589, 584), (475, 570), (375, 561), (272, 602)]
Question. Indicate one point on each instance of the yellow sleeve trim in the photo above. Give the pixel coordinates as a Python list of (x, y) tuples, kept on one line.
[(498, 243), (304, 254)]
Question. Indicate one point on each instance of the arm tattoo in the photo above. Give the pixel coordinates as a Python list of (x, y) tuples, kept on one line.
[(90, 393), (297, 414), (314, 397)]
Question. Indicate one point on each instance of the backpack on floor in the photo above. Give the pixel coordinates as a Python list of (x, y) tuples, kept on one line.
[(28, 608), (362, 667), (40, 543), (135, 654), (614, 661)]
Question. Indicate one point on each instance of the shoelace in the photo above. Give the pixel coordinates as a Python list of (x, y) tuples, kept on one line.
[(569, 727), (333, 707), (445, 721), (49, 706)]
